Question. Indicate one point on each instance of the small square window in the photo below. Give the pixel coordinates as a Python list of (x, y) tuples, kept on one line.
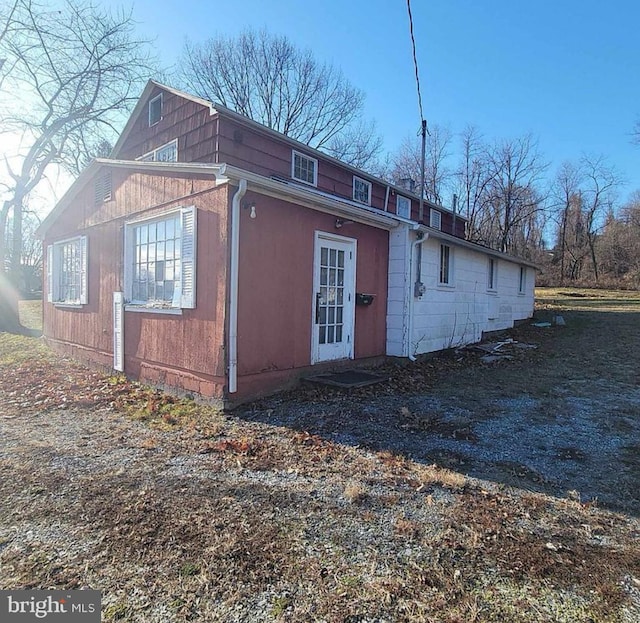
[(403, 206), (155, 110), (304, 169), (361, 190), (435, 219)]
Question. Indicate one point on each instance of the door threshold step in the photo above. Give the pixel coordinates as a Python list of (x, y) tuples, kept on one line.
[(347, 378)]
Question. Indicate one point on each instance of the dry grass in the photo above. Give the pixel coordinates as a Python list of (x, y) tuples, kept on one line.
[(31, 314), (181, 513)]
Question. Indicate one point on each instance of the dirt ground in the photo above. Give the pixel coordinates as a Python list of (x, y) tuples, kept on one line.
[(457, 491), (559, 413)]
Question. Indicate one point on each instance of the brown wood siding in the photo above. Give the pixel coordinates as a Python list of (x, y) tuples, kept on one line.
[(179, 350), (276, 281), (256, 151), (188, 121)]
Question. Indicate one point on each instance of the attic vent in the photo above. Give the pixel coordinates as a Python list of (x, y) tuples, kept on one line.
[(102, 188)]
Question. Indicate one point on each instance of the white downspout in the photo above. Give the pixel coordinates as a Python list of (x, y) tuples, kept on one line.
[(233, 286), (412, 296)]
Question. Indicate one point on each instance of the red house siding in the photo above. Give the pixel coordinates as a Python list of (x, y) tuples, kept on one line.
[(276, 290), (207, 138), (179, 350)]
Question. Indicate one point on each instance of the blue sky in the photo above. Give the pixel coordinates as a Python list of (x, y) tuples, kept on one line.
[(566, 71)]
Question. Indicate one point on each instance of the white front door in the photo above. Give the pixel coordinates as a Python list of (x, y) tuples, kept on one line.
[(334, 296)]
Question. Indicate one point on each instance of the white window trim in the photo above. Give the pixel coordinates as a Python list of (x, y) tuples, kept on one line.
[(54, 268), (398, 198), (295, 153), (492, 287), (154, 152), (151, 101), (359, 179), (188, 260), (435, 219), (445, 284)]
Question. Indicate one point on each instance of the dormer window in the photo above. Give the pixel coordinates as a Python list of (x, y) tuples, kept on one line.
[(403, 206), (155, 110), (304, 169), (435, 219), (361, 190)]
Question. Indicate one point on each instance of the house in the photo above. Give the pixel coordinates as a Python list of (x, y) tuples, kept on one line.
[(212, 255)]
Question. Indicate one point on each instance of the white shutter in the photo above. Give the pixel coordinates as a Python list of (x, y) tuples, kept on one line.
[(118, 331), (50, 273), (84, 267), (188, 257)]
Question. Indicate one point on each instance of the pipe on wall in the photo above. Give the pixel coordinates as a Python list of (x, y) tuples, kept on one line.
[(233, 285), (414, 248)]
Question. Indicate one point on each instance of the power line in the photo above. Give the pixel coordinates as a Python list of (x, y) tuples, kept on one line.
[(415, 59)]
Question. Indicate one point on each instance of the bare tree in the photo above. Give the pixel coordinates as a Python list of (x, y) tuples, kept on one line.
[(565, 202), (472, 178), (266, 78), (515, 168), (407, 162), (599, 194), (69, 75)]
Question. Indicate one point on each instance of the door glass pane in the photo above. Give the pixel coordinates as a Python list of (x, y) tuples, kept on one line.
[(323, 335), (323, 255), (330, 334), (339, 333), (340, 259)]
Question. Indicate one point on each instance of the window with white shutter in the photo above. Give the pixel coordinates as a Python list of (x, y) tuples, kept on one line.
[(67, 272), (160, 261)]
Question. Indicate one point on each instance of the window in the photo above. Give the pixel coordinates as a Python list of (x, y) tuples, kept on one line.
[(435, 219), (523, 280), (165, 153), (492, 274), (67, 271), (445, 264), (403, 206), (304, 169), (102, 188), (160, 258), (361, 190), (155, 110)]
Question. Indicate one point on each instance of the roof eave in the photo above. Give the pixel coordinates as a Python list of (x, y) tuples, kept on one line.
[(474, 246)]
